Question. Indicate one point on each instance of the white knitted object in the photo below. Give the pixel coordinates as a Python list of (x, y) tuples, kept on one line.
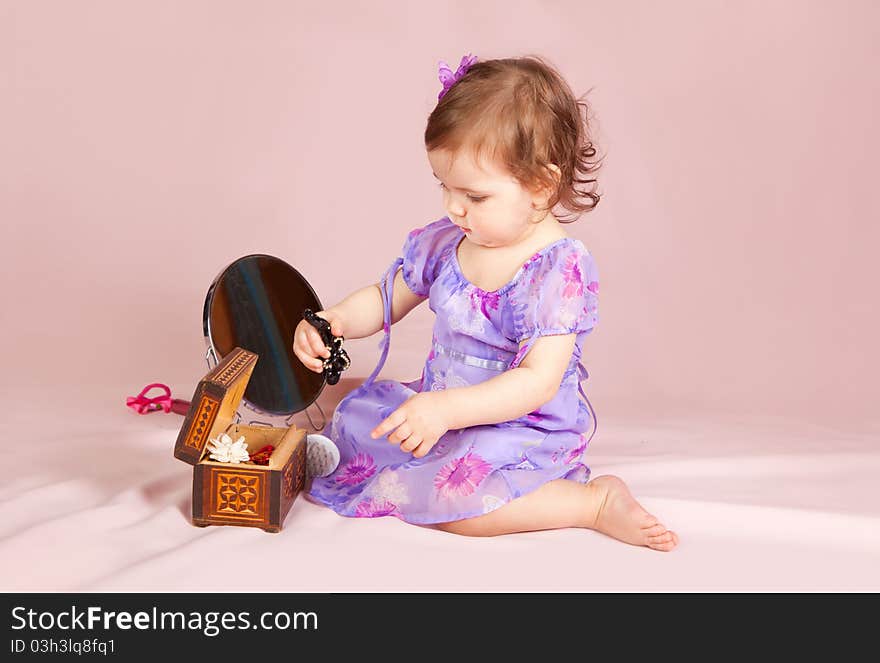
[(322, 455)]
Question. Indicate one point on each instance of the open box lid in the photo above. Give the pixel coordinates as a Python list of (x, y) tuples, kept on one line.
[(214, 404)]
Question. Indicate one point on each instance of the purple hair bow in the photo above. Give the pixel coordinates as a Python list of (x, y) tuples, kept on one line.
[(448, 78)]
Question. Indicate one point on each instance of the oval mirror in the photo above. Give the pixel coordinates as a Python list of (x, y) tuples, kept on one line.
[(256, 303)]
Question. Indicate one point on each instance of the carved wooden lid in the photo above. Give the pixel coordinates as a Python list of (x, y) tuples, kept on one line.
[(214, 404)]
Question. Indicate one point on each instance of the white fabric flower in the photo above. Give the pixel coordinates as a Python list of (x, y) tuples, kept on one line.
[(225, 450), (387, 486), (466, 321), (445, 378)]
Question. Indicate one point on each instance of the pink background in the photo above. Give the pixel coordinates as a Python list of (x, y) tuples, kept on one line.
[(145, 145)]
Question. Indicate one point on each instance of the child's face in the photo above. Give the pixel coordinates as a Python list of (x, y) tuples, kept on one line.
[(485, 199)]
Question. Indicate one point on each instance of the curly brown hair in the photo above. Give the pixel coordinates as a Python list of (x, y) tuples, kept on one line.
[(523, 114)]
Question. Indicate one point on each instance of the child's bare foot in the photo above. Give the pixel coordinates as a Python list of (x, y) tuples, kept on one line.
[(623, 518)]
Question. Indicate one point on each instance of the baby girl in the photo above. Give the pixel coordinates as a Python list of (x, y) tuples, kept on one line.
[(491, 438)]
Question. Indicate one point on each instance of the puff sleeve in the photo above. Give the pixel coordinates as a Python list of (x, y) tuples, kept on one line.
[(558, 296), (424, 251)]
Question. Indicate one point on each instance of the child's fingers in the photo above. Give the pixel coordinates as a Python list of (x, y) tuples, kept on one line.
[(298, 350), (302, 348), (422, 450), (317, 345), (307, 343), (411, 443), (403, 435), (335, 324), (390, 422), (310, 362)]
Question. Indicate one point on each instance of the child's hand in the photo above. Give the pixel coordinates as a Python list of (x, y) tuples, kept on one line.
[(419, 423), (307, 343)]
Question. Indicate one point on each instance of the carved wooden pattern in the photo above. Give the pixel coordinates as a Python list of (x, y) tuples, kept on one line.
[(294, 473), (231, 372), (300, 471), (202, 422), (238, 494), (287, 482)]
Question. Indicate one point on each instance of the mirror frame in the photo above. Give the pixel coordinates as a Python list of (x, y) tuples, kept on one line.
[(268, 418)]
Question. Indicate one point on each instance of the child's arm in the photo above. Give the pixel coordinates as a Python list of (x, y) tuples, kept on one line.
[(362, 312), (517, 391), (419, 422)]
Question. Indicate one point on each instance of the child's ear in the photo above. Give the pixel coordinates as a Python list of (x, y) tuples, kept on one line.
[(543, 194), (557, 174)]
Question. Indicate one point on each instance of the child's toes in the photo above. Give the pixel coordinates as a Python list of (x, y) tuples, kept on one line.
[(655, 530), (665, 542)]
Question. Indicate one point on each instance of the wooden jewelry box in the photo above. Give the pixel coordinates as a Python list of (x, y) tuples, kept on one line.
[(242, 493)]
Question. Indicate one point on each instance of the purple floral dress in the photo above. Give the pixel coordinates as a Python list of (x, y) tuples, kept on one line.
[(477, 335)]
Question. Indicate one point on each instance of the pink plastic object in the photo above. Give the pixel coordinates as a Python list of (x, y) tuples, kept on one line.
[(143, 405)]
